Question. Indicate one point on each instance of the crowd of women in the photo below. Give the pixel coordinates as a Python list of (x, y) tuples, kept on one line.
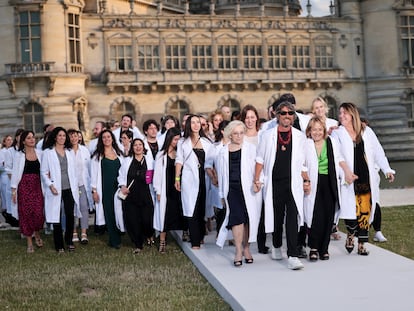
[(295, 172)]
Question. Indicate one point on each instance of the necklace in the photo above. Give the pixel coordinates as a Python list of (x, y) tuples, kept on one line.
[(284, 142)]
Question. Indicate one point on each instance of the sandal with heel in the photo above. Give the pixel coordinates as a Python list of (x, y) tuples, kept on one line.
[(362, 250), (162, 248), (349, 243), (313, 255)]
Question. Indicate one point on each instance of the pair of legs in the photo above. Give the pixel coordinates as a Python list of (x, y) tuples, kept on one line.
[(68, 206), (84, 220), (241, 242)]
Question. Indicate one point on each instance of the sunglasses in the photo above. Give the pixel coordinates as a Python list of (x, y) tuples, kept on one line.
[(283, 113)]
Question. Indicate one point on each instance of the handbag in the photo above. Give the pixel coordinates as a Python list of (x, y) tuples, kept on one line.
[(149, 175), (123, 196)]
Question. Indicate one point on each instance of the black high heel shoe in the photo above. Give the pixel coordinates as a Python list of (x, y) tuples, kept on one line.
[(349, 243), (237, 263), (248, 260), (313, 255), (362, 250)]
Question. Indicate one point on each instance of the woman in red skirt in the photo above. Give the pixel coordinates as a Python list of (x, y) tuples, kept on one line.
[(27, 191)]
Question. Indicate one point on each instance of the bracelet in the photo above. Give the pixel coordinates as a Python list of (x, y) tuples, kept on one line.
[(177, 178)]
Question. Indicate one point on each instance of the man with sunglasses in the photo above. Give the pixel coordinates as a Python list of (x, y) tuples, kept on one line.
[(280, 163)]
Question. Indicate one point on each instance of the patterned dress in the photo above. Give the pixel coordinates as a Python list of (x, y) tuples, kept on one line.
[(30, 199)]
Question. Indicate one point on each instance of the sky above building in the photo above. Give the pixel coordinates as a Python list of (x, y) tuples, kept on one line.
[(319, 7)]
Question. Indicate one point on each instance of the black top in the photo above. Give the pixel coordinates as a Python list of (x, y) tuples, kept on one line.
[(361, 184), (31, 167), (282, 166)]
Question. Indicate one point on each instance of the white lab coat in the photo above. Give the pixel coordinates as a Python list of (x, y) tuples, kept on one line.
[(313, 172), (17, 173), (160, 188), (189, 175), (375, 156), (266, 155), (253, 200), (96, 182), (86, 173), (51, 175)]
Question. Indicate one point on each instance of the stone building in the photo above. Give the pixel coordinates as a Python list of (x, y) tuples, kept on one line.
[(73, 62)]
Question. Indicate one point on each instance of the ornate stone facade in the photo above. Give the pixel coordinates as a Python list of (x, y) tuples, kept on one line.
[(73, 62)]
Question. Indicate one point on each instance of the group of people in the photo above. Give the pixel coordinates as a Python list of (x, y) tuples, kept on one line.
[(295, 172)]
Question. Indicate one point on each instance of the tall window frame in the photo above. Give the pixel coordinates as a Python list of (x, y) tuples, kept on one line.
[(33, 117), (406, 25), (227, 56), (74, 38), (176, 56), (300, 54), (124, 107), (202, 56), (277, 56), (178, 109), (29, 24), (148, 57), (323, 54), (120, 57), (252, 56)]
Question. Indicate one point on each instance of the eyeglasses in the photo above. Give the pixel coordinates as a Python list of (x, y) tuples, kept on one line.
[(283, 113)]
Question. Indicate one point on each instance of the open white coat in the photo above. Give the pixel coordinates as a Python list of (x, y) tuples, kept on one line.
[(51, 175), (375, 156), (253, 200), (266, 155)]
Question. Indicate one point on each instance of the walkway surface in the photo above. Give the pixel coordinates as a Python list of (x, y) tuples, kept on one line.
[(380, 281)]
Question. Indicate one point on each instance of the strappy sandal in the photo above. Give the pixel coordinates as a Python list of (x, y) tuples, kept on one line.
[(324, 256), (84, 238), (362, 250), (162, 248), (248, 260), (30, 249), (349, 243), (39, 242), (313, 255), (237, 263)]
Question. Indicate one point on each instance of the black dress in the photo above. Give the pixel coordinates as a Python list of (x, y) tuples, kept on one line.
[(174, 212), (237, 205), (138, 206)]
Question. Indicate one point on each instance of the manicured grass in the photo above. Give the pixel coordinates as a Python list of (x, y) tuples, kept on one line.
[(398, 228), (96, 277)]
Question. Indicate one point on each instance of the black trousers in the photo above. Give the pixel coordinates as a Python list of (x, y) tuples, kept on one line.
[(138, 218), (376, 222), (323, 216), (196, 224), (284, 205), (68, 206), (261, 233)]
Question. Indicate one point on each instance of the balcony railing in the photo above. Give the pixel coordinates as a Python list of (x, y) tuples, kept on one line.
[(29, 68)]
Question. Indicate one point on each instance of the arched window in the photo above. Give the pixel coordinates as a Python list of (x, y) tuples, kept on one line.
[(123, 108), (333, 107), (178, 109), (233, 104), (33, 118)]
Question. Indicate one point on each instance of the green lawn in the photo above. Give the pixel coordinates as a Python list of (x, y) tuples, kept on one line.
[(96, 277), (398, 228)]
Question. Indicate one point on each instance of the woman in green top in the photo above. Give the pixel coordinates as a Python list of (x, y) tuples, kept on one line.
[(105, 165), (321, 203)]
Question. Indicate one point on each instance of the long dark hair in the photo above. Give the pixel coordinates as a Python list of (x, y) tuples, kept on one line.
[(169, 136), (22, 138), (51, 138), (244, 114), (187, 129), (131, 150), (100, 148), (18, 133), (218, 134)]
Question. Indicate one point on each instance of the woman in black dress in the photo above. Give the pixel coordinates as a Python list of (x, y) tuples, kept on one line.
[(138, 206)]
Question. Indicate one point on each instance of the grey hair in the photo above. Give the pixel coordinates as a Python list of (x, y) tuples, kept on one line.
[(231, 126)]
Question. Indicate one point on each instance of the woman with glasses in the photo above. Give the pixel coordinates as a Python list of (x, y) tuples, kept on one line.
[(236, 165)]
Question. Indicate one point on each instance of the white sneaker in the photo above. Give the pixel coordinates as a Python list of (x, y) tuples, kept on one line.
[(277, 253), (379, 237), (294, 263), (75, 238)]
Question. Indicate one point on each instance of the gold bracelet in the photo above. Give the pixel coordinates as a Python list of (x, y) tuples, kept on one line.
[(177, 178)]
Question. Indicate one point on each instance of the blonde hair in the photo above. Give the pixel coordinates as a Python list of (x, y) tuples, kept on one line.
[(311, 123), (356, 119), (320, 99)]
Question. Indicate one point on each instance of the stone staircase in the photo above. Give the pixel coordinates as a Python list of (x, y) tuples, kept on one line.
[(388, 118)]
